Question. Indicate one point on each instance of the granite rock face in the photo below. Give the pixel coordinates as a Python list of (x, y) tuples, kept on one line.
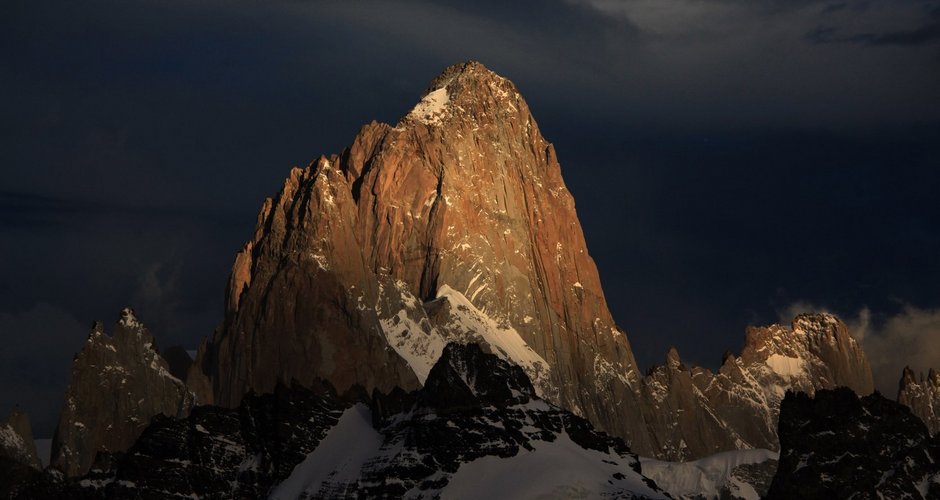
[(118, 383), (837, 445), (922, 397), (454, 224)]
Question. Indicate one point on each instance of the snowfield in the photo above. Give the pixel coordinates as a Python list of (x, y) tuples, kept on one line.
[(707, 476)]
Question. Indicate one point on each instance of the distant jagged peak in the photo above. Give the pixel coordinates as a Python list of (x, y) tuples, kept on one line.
[(673, 360), (128, 335), (823, 323), (803, 329), (16, 439), (921, 395), (125, 374)]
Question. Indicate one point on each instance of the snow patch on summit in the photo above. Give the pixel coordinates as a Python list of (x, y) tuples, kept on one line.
[(431, 108)]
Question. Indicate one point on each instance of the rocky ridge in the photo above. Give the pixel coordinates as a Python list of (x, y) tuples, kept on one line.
[(298, 443), (476, 428), (922, 396), (697, 412), (118, 383), (837, 445)]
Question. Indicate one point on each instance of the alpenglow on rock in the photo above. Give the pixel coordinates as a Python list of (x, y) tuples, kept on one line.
[(118, 384), (693, 412), (454, 224)]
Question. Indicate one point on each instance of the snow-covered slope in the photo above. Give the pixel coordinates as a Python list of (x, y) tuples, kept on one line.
[(337, 459), (476, 430), (553, 469), (418, 332)]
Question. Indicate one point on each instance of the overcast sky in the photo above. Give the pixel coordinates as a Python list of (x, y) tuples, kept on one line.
[(733, 161)]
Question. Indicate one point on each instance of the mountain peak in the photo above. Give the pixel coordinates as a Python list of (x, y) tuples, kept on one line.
[(473, 90), (465, 71), (813, 322), (125, 374), (128, 318)]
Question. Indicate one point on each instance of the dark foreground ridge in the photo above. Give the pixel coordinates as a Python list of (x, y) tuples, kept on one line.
[(301, 443), (838, 445)]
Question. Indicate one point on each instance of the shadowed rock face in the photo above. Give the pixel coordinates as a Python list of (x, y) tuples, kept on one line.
[(19, 462), (838, 445), (367, 263), (476, 412), (922, 397), (118, 384), (178, 361)]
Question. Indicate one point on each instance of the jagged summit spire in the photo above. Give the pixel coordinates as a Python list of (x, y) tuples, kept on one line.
[(473, 91), (468, 70)]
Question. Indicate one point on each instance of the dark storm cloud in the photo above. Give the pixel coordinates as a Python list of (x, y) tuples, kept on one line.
[(919, 26), (38, 344), (746, 167), (927, 34)]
